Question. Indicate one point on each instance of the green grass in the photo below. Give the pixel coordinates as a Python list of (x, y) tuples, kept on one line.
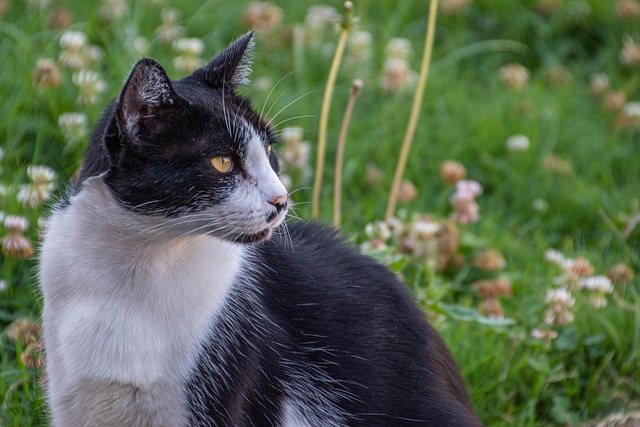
[(593, 367)]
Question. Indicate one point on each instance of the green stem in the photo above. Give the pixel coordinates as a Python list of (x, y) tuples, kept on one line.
[(324, 113), (337, 187), (415, 111)]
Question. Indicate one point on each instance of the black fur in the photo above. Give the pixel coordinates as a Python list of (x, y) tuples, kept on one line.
[(324, 311)]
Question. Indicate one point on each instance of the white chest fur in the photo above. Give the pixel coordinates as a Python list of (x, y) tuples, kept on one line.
[(126, 305)]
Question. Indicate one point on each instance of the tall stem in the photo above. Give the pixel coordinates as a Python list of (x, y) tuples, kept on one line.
[(415, 111), (326, 103), (337, 183)]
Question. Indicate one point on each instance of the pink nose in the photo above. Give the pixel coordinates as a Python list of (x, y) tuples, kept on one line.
[(280, 201)]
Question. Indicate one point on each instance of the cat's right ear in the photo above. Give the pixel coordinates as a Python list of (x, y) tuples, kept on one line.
[(146, 97)]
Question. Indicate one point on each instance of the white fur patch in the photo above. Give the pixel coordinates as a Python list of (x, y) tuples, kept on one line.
[(127, 302)]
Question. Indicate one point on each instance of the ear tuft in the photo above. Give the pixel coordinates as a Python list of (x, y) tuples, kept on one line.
[(232, 66), (147, 90)]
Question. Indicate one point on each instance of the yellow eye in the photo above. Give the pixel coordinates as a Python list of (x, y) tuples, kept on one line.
[(269, 150), (222, 163)]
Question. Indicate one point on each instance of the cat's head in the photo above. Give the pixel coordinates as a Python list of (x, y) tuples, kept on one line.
[(193, 151)]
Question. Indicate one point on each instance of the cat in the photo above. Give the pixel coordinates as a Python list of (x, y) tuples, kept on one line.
[(175, 295)]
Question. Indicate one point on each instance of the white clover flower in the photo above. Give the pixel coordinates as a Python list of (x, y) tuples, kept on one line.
[(425, 228), (140, 45), (560, 296), (467, 189), (90, 85), (360, 45), (74, 127), (73, 40), (378, 230), (113, 9), (39, 173), (599, 84), (600, 284), (555, 257), (396, 75), (291, 135), (1, 153), (15, 223), (560, 302), (40, 188), (632, 109), (188, 46), (398, 48), (169, 30), (188, 50), (518, 143), (319, 17), (3, 285)]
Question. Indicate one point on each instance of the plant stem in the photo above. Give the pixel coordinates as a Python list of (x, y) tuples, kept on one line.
[(324, 113), (337, 187), (415, 111)]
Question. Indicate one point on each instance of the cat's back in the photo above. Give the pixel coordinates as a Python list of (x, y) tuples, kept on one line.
[(355, 321)]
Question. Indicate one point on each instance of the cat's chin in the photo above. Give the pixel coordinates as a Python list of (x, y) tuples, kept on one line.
[(253, 238)]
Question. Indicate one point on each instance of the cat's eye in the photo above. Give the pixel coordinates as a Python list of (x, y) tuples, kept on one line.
[(222, 164), (269, 150)]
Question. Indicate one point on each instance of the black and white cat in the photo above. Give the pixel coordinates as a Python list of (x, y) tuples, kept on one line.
[(173, 296)]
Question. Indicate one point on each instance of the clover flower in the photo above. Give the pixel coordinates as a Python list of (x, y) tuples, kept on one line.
[(3, 285), (60, 18), (76, 53), (450, 7), (396, 75), (73, 127), (560, 302), (491, 307), (628, 9), (452, 171), (46, 73), (359, 46), (90, 85), (188, 50), (24, 331), (620, 273), (398, 48), (546, 335), (113, 9), (378, 233), (557, 165), (630, 53), (489, 260), (518, 143), (463, 200), (15, 244), (599, 84), (40, 188), (263, 16), (169, 31), (599, 286), (319, 17), (514, 76), (295, 153)]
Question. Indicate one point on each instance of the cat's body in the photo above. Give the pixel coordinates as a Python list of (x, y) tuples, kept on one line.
[(170, 302)]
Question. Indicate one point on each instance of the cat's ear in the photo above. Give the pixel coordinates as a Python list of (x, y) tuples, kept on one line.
[(147, 92), (230, 68), (146, 99)]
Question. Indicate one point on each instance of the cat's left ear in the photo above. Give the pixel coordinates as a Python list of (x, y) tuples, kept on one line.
[(231, 67)]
